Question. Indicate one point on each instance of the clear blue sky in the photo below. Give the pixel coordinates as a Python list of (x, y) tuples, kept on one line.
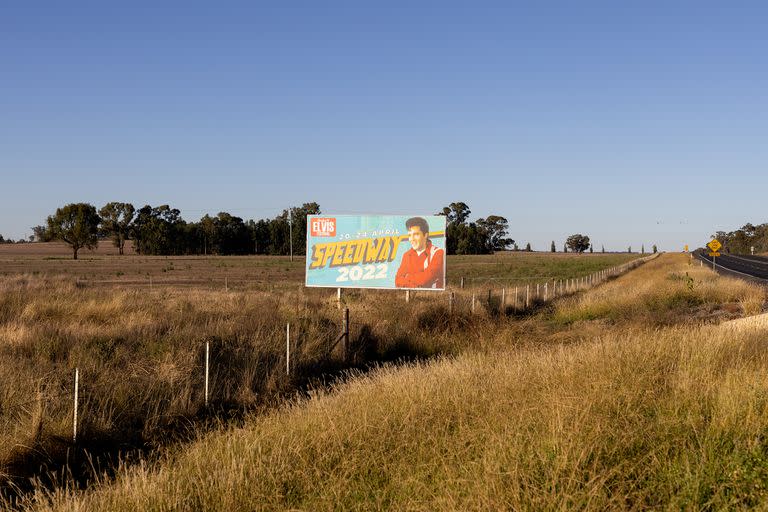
[(632, 122)]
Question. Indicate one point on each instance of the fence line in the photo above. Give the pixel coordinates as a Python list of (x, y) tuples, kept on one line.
[(456, 298)]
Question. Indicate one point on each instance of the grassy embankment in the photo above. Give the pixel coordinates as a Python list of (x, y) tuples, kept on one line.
[(140, 350), (650, 404)]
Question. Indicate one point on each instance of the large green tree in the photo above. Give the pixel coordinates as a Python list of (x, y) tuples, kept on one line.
[(298, 218), (76, 224), (159, 230), (231, 235), (208, 230), (41, 234), (495, 228), (470, 239), (577, 243), (116, 222), (456, 213)]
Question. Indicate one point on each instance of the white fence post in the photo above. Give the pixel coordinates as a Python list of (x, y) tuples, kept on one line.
[(207, 354), (74, 419), (288, 349)]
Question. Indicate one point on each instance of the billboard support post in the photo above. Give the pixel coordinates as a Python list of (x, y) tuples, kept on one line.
[(407, 296)]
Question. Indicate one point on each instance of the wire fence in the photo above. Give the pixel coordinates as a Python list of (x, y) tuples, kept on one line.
[(68, 390)]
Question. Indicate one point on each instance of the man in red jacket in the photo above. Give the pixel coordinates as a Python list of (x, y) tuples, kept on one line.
[(422, 265)]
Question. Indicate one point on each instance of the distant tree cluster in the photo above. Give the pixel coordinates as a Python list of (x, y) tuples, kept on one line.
[(743, 239), (4, 240), (160, 230), (483, 236), (578, 243)]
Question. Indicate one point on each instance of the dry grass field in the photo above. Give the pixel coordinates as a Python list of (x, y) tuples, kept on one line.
[(103, 267), (557, 408)]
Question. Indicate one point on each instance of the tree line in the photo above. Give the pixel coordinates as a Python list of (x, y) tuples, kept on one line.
[(160, 230), (742, 240)]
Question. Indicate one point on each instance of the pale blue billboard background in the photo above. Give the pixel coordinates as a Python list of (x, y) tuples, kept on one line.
[(360, 227)]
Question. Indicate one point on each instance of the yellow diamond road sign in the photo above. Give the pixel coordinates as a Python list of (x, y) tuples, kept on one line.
[(714, 245)]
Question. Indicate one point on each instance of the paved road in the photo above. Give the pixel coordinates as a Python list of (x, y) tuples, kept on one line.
[(755, 267)]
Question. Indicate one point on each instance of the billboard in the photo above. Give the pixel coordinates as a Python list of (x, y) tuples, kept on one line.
[(376, 251)]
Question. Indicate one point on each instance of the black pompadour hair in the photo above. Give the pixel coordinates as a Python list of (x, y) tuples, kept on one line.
[(418, 221)]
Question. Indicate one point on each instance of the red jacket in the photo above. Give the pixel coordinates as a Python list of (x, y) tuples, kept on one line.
[(423, 270)]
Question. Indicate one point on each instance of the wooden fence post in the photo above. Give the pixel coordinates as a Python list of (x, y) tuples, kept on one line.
[(462, 282), (451, 300)]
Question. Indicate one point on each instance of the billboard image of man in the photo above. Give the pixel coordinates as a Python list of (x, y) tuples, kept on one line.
[(423, 264)]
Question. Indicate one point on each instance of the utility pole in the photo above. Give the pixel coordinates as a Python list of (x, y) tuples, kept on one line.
[(290, 231)]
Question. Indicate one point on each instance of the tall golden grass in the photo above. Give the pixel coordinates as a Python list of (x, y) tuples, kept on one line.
[(629, 396), (140, 353)]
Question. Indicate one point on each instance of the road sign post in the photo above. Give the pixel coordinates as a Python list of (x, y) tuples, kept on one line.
[(715, 246)]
